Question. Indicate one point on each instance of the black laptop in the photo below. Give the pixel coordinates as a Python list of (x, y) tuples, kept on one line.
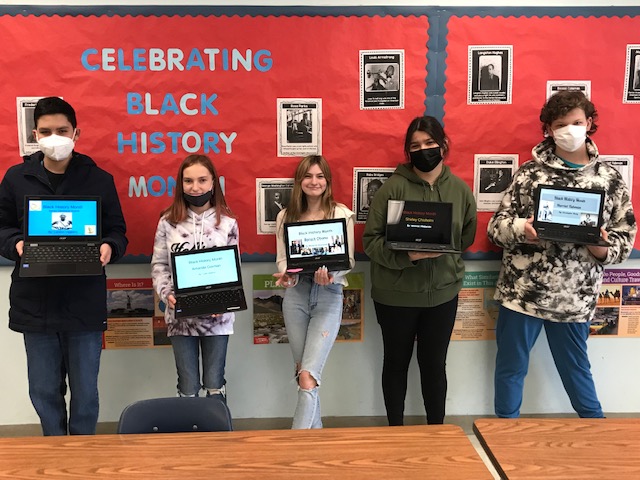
[(207, 281), (569, 215), (420, 226), (62, 236), (315, 244)]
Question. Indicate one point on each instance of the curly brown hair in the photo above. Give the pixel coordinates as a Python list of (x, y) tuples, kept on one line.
[(562, 103)]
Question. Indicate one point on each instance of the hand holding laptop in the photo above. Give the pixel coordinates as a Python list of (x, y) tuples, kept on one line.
[(598, 251), (415, 256), (105, 254), (286, 280), (530, 234)]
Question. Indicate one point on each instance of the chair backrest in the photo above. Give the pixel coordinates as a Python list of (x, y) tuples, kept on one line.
[(176, 414)]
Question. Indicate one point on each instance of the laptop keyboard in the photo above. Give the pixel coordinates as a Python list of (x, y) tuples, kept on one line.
[(224, 297), (62, 254)]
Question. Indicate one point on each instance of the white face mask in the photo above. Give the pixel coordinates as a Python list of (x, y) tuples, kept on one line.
[(571, 137), (57, 147)]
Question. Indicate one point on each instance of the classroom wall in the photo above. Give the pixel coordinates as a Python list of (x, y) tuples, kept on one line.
[(259, 376)]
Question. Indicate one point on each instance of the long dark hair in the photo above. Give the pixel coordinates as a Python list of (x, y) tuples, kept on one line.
[(177, 211), (430, 126), (298, 203)]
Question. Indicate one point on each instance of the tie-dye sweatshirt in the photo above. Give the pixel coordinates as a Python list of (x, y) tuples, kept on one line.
[(553, 281), (196, 231)]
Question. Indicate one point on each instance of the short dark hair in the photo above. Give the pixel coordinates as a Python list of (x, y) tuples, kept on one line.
[(53, 106), (376, 182), (430, 126), (561, 103)]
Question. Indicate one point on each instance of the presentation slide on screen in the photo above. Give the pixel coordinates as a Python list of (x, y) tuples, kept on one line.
[(71, 218), (569, 208), (206, 268), (325, 239)]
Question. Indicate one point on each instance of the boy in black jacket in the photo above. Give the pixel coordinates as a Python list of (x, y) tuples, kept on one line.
[(61, 318)]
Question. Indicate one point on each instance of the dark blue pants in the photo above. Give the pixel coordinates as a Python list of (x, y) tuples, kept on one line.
[(516, 333), (51, 359)]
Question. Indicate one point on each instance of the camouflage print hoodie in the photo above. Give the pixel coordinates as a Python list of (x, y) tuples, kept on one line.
[(559, 282)]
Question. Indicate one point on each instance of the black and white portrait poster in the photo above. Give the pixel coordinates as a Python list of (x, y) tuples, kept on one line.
[(490, 74), (493, 174), (272, 196), (26, 140), (381, 79), (366, 182), (299, 127), (632, 77), (555, 86), (624, 165)]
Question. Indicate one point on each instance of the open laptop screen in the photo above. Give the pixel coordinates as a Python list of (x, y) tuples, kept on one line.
[(567, 206), (310, 245), (326, 238), (202, 269), (419, 222), (72, 218)]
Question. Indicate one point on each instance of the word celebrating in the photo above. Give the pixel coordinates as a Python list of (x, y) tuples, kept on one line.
[(158, 59)]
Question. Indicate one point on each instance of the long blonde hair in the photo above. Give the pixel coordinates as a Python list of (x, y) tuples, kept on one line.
[(298, 203)]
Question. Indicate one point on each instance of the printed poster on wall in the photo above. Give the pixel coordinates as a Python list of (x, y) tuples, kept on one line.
[(618, 309), (132, 317), (381, 79), (493, 174), (477, 310), (490, 74), (268, 321)]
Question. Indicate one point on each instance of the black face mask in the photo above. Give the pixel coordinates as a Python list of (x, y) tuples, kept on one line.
[(426, 159), (198, 200)]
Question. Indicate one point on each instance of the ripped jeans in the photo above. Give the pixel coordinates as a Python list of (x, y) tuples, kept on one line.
[(312, 315)]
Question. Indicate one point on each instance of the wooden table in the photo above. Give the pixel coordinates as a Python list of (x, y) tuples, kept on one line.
[(389, 453), (567, 448)]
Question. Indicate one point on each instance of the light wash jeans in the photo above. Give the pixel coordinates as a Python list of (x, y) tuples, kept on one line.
[(186, 350), (51, 359), (312, 315)]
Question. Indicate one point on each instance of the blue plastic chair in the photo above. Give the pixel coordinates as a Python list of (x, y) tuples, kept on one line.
[(176, 414)]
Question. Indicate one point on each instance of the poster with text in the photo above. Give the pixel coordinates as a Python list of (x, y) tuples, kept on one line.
[(131, 308)]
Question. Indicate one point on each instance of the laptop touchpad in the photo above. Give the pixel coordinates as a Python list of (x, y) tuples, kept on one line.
[(60, 268)]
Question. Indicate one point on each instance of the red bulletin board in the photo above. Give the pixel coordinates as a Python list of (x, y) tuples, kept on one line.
[(544, 48), (312, 57)]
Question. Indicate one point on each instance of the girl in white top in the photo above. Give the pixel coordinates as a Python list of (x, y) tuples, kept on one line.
[(198, 218), (312, 305)]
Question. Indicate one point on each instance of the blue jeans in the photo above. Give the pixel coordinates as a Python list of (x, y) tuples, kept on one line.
[(312, 315), (516, 333), (51, 358), (186, 350)]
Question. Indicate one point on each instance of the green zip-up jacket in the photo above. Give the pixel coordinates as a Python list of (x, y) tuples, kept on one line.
[(395, 279)]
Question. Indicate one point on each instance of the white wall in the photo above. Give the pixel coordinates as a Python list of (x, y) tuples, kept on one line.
[(259, 376)]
